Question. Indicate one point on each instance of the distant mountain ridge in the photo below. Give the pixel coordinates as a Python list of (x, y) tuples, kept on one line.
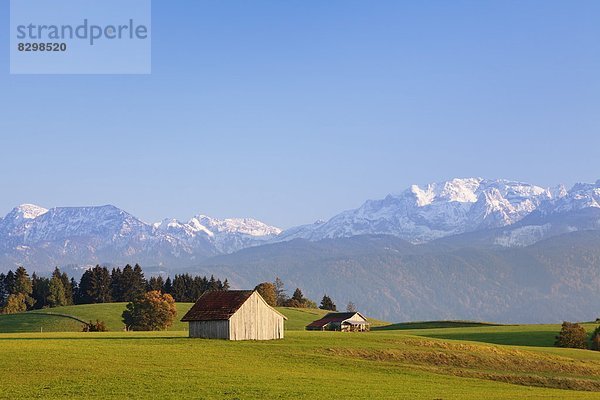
[(38, 237), (439, 210), (551, 281), (491, 213)]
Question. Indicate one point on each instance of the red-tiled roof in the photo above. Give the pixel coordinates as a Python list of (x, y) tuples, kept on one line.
[(332, 317), (217, 305)]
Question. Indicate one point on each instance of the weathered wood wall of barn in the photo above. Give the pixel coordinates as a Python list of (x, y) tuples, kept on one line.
[(255, 320), (209, 329)]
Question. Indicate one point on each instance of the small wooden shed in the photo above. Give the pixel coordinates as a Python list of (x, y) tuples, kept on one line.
[(341, 321), (234, 315)]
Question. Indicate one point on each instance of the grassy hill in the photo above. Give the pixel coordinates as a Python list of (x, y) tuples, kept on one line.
[(305, 365), (65, 319), (110, 313), (521, 335), (432, 325), (409, 360), (37, 322), (58, 319)]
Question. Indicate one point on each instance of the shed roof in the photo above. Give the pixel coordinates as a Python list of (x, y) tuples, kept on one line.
[(217, 305), (334, 317)]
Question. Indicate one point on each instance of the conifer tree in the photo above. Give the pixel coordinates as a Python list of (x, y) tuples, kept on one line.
[(127, 284), (3, 289), (179, 288), (23, 285), (168, 287), (57, 294), (197, 288), (85, 284), (95, 286), (327, 304), (139, 283), (9, 282), (68, 288), (75, 290), (156, 283), (297, 300), (41, 290), (298, 296), (115, 284), (212, 283)]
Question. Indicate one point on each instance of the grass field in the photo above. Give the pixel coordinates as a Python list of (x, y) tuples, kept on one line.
[(520, 335), (30, 322), (47, 320), (305, 365), (432, 360), (432, 325), (110, 313)]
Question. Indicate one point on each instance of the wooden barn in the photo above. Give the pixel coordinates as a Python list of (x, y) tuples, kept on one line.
[(234, 315), (341, 321)]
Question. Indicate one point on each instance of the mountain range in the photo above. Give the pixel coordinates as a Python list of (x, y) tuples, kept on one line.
[(485, 239), (439, 210), (37, 237)]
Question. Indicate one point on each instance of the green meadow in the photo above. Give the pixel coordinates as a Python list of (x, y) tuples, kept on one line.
[(442, 360), (66, 319)]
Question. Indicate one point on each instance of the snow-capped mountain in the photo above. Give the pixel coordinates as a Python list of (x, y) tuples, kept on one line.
[(575, 210), (437, 210), (581, 196), (20, 219), (86, 235), (226, 235), (475, 211)]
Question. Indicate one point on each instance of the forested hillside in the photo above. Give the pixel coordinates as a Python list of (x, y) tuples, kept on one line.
[(553, 280)]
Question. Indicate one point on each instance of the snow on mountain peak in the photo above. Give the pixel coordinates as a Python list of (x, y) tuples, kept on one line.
[(247, 226), (558, 191), (29, 211), (459, 190), (89, 234), (423, 196), (418, 214), (581, 195), (19, 219), (423, 213)]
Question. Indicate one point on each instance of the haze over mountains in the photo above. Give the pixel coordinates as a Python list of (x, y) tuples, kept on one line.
[(465, 248)]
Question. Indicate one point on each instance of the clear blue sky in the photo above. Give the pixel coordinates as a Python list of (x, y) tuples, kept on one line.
[(290, 111)]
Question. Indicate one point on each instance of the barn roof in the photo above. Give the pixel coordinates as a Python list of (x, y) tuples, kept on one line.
[(334, 317), (220, 305), (217, 305)]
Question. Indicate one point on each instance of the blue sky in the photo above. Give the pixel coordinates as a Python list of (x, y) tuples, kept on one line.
[(290, 111)]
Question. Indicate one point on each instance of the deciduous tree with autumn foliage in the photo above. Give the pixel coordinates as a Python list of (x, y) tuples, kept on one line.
[(154, 311)]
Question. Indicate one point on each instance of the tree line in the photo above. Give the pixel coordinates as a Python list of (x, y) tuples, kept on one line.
[(275, 295), (19, 292)]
